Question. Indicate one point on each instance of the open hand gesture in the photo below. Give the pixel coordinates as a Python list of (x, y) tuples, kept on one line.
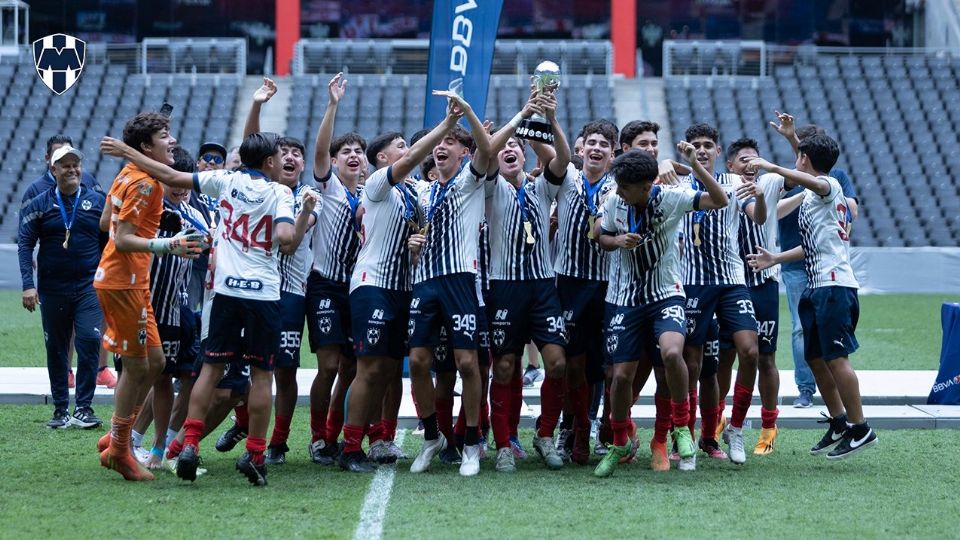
[(786, 127), (687, 150), (265, 92), (761, 260), (336, 88)]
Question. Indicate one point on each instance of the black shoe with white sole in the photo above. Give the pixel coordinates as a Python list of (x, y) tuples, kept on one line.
[(229, 439), (84, 417), (833, 436), (855, 440), (256, 474), (276, 455), (61, 419)]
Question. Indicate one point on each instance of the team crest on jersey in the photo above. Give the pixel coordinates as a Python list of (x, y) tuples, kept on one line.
[(59, 59), (373, 336), (499, 336), (142, 336), (145, 189), (86, 205), (326, 325), (613, 341)]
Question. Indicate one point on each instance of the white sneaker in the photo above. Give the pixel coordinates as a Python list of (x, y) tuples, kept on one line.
[(141, 454), (548, 451), (505, 460), (735, 449), (427, 452), (687, 464), (470, 464), (171, 465)]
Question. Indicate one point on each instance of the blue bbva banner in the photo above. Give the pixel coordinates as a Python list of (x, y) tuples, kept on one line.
[(946, 389), (461, 53)]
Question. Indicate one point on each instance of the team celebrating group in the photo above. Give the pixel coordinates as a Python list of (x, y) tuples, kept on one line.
[(455, 254)]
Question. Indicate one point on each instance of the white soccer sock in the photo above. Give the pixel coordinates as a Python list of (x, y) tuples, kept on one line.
[(137, 438)]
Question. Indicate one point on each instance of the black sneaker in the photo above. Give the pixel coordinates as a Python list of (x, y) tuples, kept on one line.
[(276, 455), (83, 417), (833, 436), (60, 420), (450, 456), (187, 463), (564, 444), (356, 462), (229, 439), (322, 453), (256, 474), (855, 440)]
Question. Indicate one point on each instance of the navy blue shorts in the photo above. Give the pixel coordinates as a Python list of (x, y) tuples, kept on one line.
[(292, 312), (380, 321), (582, 305), (730, 303), (609, 310), (445, 300), (245, 330), (711, 350), (236, 376), (521, 311), (328, 314), (443, 358), (829, 318), (766, 306), (634, 331)]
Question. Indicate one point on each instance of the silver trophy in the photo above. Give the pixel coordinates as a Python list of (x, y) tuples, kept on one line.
[(546, 79)]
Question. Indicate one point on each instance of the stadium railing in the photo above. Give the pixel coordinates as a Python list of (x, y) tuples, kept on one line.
[(200, 56)]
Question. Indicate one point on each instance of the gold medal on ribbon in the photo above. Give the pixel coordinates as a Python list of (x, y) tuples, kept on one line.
[(425, 229), (413, 225), (66, 239), (528, 228), (696, 234), (592, 223)]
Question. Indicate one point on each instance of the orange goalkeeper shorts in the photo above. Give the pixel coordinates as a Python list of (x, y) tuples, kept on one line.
[(131, 325)]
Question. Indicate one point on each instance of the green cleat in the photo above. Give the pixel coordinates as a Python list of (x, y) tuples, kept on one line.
[(610, 461), (681, 438)]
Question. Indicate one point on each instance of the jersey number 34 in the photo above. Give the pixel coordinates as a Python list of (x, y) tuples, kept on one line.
[(238, 229)]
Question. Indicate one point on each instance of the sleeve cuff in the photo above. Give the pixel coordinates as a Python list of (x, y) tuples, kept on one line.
[(552, 178), (283, 220), (696, 200), (474, 172), (196, 182), (390, 175), (325, 178), (606, 232)]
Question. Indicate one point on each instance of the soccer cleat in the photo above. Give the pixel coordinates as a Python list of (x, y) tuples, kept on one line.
[(322, 453), (105, 377), (804, 400), (505, 460), (564, 443), (188, 462), (256, 474), (356, 462), (141, 454), (609, 462), (853, 442), (532, 376), (687, 464), (631, 456), (711, 448), (419, 431), (62, 420), (470, 465), (725, 434), (276, 455), (71, 380), (581, 447), (683, 442), (658, 457), (450, 456), (735, 448), (393, 451), (517, 448), (376, 452), (483, 447), (84, 418), (104, 441), (833, 436), (228, 439), (428, 451), (546, 449), (721, 430), (126, 465), (600, 449), (768, 436)]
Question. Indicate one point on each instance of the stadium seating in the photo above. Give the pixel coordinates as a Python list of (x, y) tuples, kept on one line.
[(894, 116), (100, 103)]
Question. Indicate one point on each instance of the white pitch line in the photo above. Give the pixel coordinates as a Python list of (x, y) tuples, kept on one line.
[(378, 497)]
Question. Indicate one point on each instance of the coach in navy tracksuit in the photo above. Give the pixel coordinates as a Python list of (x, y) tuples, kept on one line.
[(46, 181), (66, 221)]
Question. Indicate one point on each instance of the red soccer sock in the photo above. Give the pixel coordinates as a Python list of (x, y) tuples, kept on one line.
[(516, 401), (741, 404), (485, 415), (662, 422), (352, 438), (680, 413), (621, 431), (444, 409), (192, 432), (581, 406), (692, 402), (281, 430), (389, 429), (318, 424), (551, 403), (500, 395), (334, 425), (708, 421), (256, 446), (768, 417), (243, 416), (374, 433), (174, 449)]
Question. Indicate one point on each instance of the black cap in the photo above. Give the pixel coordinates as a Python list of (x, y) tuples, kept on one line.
[(207, 146)]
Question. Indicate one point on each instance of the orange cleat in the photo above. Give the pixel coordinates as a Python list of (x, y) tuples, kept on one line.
[(105, 377), (126, 465), (104, 441), (721, 425), (658, 459), (768, 437)]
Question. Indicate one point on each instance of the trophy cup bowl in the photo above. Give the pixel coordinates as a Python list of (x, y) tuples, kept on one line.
[(546, 79)]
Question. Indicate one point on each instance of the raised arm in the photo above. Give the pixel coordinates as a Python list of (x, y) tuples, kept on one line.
[(788, 205), (788, 129), (321, 157), (717, 197), (422, 148), (304, 220), (163, 173), (819, 186), (261, 96), (557, 165), (764, 259), (480, 137), (757, 209), (499, 139)]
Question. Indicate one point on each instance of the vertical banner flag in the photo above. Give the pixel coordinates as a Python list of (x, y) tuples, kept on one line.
[(462, 38), (946, 388)]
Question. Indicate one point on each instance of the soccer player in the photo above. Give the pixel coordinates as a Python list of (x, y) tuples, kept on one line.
[(523, 302), (714, 285), (642, 221), (122, 280), (445, 282), (336, 242), (642, 135), (65, 221), (257, 219), (829, 308), (754, 232)]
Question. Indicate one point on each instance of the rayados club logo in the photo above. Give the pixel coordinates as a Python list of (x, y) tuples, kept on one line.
[(59, 59)]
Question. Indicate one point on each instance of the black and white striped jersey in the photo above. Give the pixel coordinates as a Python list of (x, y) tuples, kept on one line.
[(649, 272), (170, 274), (578, 255), (711, 253), (753, 236), (823, 235), (391, 213), (295, 268), (336, 237), (454, 211), (510, 209)]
